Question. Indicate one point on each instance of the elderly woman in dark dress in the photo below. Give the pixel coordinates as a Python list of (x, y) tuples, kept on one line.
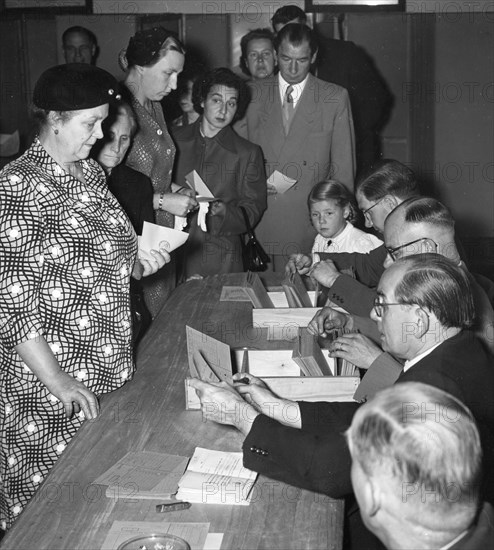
[(153, 60), (131, 188), (231, 167), (67, 251)]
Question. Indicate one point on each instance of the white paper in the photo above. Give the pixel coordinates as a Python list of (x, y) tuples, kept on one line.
[(281, 182), (155, 237), (216, 477), (195, 182)]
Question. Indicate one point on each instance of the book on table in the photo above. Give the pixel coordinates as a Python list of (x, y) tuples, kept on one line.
[(216, 477)]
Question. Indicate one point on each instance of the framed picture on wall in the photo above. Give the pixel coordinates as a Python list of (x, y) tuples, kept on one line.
[(317, 6), (53, 6)]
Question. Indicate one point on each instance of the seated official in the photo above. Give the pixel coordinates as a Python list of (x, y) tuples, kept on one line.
[(416, 226), (378, 192), (416, 470), (423, 313)]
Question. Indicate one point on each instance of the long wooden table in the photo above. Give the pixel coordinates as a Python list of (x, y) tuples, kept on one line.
[(71, 512)]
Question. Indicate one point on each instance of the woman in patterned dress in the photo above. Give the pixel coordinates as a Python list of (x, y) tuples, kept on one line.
[(153, 60), (67, 251)]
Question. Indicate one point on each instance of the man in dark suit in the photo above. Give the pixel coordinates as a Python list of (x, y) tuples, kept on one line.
[(305, 130), (416, 467), (346, 64), (423, 313)]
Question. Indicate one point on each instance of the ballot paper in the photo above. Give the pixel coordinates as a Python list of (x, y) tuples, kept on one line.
[(155, 237), (121, 531), (144, 475), (196, 183), (216, 477), (281, 182), (209, 359)]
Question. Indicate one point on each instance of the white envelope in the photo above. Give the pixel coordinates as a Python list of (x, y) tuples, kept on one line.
[(196, 183), (281, 182), (153, 235)]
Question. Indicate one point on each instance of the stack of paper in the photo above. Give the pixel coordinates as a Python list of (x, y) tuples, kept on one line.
[(216, 477), (296, 293), (308, 355), (249, 289), (144, 475)]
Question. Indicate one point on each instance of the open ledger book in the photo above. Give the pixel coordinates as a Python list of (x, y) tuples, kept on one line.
[(216, 477)]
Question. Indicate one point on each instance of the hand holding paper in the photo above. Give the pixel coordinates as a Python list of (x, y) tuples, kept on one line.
[(155, 237), (280, 182)]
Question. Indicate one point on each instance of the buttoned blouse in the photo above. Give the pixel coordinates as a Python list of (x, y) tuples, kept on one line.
[(153, 153)]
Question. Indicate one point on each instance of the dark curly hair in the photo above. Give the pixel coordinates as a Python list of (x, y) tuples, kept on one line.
[(223, 77)]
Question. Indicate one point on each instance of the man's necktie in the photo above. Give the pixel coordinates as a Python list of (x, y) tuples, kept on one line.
[(288, 108)]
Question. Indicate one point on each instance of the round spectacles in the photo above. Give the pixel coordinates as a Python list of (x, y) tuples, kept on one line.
[(379, 306)]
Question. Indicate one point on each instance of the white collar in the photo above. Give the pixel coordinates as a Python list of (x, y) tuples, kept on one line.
[(297, 88), (343, 234), (419, 357)]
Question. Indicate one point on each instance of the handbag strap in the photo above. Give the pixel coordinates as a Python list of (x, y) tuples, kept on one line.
[(247, 222)]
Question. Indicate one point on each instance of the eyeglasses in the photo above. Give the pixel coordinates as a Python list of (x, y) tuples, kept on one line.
[(392, 251), (364, 212), (379, 306)]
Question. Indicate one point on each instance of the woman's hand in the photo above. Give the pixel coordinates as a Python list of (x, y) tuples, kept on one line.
[(329, 319), (144, 267), (178, 204), (74, 395), (355, 348), (217, 208)]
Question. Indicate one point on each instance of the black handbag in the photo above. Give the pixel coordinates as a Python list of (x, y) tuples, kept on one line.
[(254, 257)]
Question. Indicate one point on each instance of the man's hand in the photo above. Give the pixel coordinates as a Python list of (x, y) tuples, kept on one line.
[(328, 319), (325, 273), (221, 403), (271, 189), (256, 392), (355, 348), (298, 262)]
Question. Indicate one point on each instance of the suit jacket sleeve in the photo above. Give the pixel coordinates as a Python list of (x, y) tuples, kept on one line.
[(368, 267), (352, 296), (316, 461), (343, 144)]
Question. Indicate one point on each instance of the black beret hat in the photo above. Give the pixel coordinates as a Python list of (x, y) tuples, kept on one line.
[(144, 46), (74, 86)]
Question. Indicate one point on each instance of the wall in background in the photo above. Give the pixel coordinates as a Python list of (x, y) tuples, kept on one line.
[(462, 129)]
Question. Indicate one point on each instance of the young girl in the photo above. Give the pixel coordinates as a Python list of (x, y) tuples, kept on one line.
[(332, 210)]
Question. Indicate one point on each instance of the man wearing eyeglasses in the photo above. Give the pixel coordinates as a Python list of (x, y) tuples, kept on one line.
[(423, 314), (379, 191)]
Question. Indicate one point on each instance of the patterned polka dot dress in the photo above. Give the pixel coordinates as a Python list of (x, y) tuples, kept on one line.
[(66, 253)]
